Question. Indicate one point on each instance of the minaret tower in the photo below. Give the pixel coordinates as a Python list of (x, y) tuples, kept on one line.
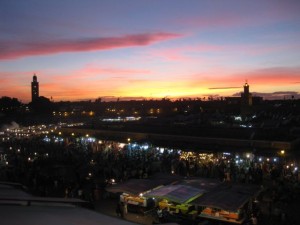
[(246, 101), (246, 96), (34, 88), (246, 89)]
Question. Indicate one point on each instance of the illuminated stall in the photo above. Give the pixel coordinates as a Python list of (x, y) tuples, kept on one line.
[(229, 204), (133, 192), (175, 198)]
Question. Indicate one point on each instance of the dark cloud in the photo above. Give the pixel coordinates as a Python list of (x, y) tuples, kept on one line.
[(220, 88), (275, 95)]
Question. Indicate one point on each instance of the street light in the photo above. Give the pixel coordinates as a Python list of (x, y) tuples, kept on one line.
[(282, 153), (129, 147)]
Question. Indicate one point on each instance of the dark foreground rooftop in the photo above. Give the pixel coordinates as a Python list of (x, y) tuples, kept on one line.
[(14, 210)]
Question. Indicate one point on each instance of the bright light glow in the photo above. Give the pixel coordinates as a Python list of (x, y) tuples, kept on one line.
[(122, 145), (238, 118), (145, 147), (46, 139)]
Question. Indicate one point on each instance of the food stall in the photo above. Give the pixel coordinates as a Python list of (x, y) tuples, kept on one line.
[(231, 203), (175, 198), (133, 192)]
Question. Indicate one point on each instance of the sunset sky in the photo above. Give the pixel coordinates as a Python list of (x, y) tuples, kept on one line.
[(149, 48)]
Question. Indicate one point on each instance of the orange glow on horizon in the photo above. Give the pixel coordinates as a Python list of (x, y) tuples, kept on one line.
[(147, 90), (122, 84)]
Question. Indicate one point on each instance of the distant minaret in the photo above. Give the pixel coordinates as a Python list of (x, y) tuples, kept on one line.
[(246, 101), (246, 88), (34, 88), (246, 96)]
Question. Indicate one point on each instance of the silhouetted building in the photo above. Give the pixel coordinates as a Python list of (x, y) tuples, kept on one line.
[(246, 101), (34, 89), (246, 96)]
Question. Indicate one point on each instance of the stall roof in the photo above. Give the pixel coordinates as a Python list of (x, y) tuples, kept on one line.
[(207, 184), (63, 212), (176, 193), (58, 215), (133, 186), (13, 190), (137, 186), (14, 193), (230, 197), (166, 178)]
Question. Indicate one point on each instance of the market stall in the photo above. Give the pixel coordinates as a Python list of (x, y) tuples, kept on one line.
[(231, 203), (175, 198), (132, 192)]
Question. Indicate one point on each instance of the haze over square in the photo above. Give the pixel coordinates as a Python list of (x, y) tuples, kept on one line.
[(149, 49)]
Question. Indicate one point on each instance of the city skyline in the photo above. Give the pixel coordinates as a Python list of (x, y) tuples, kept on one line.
[(149, 49)]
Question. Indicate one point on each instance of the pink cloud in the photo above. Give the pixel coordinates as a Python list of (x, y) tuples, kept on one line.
[(94, 69), (94, 73), (10, 50), (273, 76), (184, 53), (192, 53), (259, 49), (209, 22), (246, 14), (11, 86), (99, 80)]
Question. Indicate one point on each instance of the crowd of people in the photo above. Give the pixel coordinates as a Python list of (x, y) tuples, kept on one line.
[(79, 167)]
